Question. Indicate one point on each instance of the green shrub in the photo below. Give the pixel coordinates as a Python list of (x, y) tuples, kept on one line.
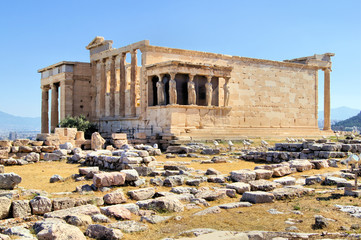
[(80, 123)]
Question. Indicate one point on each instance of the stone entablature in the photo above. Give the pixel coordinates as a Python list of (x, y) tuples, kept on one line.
[(224, 92), (72, 80)]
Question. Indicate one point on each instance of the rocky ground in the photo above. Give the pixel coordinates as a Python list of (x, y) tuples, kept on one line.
[(199, 191)]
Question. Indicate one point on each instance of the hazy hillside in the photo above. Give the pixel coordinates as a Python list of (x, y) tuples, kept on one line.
[(15, 123), (351, 122), (341, 113)]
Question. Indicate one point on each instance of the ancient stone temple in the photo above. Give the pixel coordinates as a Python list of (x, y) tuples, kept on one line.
[(167, 91)]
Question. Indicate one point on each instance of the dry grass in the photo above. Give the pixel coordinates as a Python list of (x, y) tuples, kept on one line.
[(36, 176)]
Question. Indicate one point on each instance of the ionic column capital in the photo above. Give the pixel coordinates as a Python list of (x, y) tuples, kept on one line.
[(45, 88)]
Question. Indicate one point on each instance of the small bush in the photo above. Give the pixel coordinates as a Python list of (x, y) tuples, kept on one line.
[(297, 207), (80, 123)]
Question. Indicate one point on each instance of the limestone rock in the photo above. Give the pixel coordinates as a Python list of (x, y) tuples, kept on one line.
[(2, 169), (4, 237), (173, 181), (5, 204), (9, 180), (142, 194), (84, 209), (19, 231), (286, 181), (263, 185), (334, 181), (210, 210), (154, 219), (301, 165), (21, 208), (320, 163), (129, 226), (212, 171), (257, 197), (290, 192), (66, 146), (100, 218), (51, 157), (211, 195), (131, 174), (263, 174), (102, 232), (240, 187), (118, 212), (78, 220), (115, 197), (32, 157), (170, 204), (40, 205), (281, 171), (109, 179), (320, 222), (313, 180), (63, 203), (243, 175), (235, 205), (60, 231), (88, 171), (97, 142), (56, 178)]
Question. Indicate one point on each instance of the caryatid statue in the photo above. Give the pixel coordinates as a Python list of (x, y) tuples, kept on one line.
[(191, 91), (209, 91), (226, 89), (160, 91), (172, 89)]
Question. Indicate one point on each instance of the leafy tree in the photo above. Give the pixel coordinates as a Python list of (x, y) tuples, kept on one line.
[(81, 123)]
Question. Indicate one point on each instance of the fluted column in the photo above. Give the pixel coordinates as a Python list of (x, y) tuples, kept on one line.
[(112, 87), (133, 79), (327, 100), (93, 91), (122, 85), (44, 109), (102, 88), (54, 107)]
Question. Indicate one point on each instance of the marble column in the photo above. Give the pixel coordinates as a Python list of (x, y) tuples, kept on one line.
[(122, 85), (44, 109), (54, 107), (93, 91), (133, 79), (112, 87), (226, 90), (327, 100), (103, 78)]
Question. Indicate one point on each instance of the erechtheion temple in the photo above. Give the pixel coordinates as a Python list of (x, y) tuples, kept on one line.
[(169, 91)]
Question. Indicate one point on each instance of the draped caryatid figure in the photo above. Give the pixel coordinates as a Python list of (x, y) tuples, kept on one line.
[(209, 91), (172, 90), (191, 91), (160, 92)]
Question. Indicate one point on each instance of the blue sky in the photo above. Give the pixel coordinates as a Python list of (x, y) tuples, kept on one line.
[(35, 34)]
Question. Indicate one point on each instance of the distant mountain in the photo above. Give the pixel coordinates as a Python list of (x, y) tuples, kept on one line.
[(10, 122), (339, 114), (354, 121)]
